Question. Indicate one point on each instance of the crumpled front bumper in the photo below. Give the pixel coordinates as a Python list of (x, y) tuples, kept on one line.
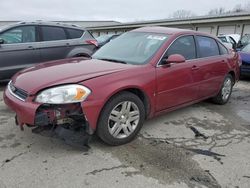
[(25, 110), (35, 114), (66, 121)]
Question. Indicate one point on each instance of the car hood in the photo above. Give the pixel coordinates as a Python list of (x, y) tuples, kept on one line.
[(245, 57), (65, 71)]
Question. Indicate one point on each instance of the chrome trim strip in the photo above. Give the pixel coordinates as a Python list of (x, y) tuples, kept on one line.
[(14, 93)]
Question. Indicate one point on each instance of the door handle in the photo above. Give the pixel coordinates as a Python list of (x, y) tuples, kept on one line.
[(30, 47), (195, 67)]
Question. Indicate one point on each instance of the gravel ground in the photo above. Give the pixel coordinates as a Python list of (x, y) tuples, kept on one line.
[(204, 145)]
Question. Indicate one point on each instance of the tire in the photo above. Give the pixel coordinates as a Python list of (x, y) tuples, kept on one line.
[(82, 55), (225, 91), (121, 119)]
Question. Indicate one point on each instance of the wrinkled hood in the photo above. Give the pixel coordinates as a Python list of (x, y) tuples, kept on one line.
[(65, 71), (245, 57)]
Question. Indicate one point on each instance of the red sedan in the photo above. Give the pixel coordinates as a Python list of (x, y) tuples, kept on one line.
[(139, 75)]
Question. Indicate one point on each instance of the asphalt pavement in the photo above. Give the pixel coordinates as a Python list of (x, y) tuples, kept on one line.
[(203, 145)]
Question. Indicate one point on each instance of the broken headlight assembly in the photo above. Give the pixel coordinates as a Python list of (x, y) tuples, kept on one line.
[(65, 94)]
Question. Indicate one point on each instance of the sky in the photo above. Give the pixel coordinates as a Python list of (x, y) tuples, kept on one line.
[(117, 10)]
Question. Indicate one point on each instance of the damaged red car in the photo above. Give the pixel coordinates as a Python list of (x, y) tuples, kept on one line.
[(140, 74)]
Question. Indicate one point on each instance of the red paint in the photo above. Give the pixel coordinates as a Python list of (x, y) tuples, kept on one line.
[(166, 88)]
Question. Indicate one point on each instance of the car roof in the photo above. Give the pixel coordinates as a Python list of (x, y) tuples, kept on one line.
[(73, 26), (169, 31)]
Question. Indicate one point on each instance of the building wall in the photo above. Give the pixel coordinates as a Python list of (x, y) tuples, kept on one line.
[(211, 28), (228, 24)]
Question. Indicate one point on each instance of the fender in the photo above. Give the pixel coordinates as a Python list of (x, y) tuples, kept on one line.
[(79, 50)]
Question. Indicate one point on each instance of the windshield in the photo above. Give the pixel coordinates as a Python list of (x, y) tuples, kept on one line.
[(2, 27), (103, 38), (245, 39), (246, 48), (223, 39), (132, 48)]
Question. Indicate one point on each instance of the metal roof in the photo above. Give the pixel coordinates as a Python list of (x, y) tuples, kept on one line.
[(83, 24), (174, 21)]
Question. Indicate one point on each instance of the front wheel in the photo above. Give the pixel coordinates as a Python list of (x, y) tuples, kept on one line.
[(121, 119), (225, 91)]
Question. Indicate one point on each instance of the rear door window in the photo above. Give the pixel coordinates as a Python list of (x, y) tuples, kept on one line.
[(50, 33), (184, 46), (223, 49), (74, 33), (207, 47)]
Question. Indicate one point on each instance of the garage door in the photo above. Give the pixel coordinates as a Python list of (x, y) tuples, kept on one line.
[(205, 29), (246, 29), (189, 28), (226, 29)]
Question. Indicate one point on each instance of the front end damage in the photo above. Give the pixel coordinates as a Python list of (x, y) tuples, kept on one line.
[(66, 121)]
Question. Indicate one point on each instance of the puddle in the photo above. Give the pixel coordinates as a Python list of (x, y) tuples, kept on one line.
[(208, 153), (164, 162)]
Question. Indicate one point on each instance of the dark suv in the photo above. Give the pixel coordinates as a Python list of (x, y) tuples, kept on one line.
[(27, 43)]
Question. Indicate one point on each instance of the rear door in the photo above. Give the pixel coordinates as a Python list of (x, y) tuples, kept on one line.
[(211, 66), (19, 50), (54, 43), (175, 83)]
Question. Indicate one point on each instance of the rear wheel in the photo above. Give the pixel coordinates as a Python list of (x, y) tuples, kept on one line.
[(121, 119), (225, 91), (82, 55)]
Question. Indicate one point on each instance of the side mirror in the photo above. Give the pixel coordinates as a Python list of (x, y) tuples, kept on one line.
[(175, 58), (1, 41)]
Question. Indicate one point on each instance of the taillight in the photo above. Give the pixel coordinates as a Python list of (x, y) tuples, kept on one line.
[(94, 42)]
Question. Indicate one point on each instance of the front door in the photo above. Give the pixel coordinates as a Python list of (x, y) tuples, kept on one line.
[(18, 51), (175, 83)]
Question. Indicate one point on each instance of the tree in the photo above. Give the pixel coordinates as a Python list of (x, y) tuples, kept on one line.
[(217, 11), (182, 14), (238, 8)]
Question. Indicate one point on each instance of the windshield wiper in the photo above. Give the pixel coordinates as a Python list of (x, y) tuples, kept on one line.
[(114, 60)]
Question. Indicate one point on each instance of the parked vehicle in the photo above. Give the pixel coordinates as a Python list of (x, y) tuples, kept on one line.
[(245, 40), (104, 39), (230, 40), (245, 57), (27, 43), (141, 74)]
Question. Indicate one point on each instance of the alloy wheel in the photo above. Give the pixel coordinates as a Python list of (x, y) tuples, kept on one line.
[(123, 119)]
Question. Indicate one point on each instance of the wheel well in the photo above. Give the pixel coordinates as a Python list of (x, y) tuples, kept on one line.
[(81, 55), (233, 75), (141, 95)]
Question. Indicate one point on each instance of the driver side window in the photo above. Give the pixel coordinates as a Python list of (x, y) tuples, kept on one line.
[(22, 34), (184, 46)]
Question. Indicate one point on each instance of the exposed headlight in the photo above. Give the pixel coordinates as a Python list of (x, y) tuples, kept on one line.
[(63, 94)]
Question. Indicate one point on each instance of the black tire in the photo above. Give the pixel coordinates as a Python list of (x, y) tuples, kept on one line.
[(220, 99), (82, 55), (103, 127)]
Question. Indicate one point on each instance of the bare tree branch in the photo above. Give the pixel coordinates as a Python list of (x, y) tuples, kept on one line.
[(182, 14)]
